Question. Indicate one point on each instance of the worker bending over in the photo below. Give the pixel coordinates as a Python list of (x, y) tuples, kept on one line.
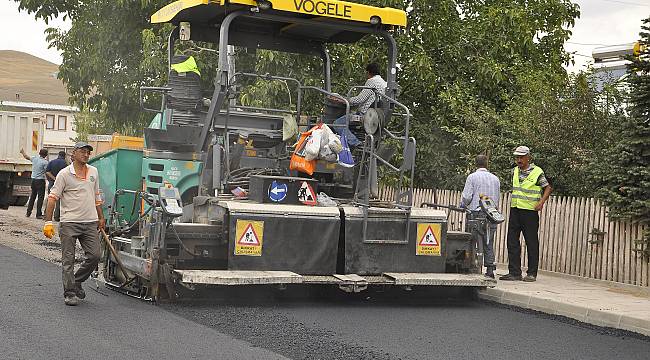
[(482, 183)]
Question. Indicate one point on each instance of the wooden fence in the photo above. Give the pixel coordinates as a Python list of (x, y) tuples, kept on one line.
[(576, 237)]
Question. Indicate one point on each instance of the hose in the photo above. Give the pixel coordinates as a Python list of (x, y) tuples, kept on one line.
[(178, 238)]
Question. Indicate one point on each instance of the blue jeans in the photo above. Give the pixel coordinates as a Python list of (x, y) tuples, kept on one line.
[(344, 129), (487, 239)]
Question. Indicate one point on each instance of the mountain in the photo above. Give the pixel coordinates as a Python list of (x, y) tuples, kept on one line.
[(32, 78)]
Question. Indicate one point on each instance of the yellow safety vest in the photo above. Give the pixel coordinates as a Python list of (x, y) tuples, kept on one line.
[(188, 65), (526, 195)]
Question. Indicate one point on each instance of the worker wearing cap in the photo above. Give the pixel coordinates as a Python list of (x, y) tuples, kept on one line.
[(530, 190), (77, 188)]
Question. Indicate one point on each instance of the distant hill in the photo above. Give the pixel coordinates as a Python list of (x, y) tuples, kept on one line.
[(32, 78)]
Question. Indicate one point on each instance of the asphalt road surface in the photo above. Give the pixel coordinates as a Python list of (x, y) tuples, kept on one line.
[(298, 323)]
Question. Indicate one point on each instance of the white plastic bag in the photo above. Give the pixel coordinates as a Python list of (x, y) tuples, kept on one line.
[(327, 154), (335, 144), (325, 200), (330, 142), (326, 135), (289, 127), (312, 149)]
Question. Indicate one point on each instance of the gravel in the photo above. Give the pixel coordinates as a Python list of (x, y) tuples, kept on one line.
[(26, 234)]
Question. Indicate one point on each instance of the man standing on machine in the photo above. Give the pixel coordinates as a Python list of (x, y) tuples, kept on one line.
[(478, 184)]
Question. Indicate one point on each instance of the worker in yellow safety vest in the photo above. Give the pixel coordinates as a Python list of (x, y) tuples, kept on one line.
[(530, 190)]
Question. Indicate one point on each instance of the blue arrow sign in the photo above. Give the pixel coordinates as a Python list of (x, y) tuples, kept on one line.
[(278, 191)]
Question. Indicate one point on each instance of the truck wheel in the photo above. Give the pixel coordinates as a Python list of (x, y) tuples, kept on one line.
[(19, 200)]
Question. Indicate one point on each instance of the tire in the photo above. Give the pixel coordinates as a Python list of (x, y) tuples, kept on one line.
[(19, 200)]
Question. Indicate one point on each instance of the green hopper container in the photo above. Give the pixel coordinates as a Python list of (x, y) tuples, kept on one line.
[(119, 169)]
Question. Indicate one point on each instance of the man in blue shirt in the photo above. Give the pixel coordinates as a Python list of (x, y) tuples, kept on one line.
[(39, 164), (482, 183), (52, 170)]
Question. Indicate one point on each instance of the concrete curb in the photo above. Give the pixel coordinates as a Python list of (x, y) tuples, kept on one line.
[(584, 313), (645, 290)]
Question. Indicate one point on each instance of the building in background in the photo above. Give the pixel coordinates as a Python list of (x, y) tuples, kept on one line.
[(59, 123), (610, 63), (29, 83)]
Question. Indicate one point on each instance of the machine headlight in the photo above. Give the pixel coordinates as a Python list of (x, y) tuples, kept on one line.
[(264, 5)]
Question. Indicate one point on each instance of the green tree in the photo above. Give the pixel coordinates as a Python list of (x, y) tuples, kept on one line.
[(566, 123), (103, 59), (626, 176), (470, 71), (463, 64)]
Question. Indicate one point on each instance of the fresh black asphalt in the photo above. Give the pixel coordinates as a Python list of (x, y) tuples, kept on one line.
[(36, 324), (298, 323)]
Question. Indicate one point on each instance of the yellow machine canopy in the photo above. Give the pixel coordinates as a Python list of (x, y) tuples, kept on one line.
[(184, 10), (323, 21)]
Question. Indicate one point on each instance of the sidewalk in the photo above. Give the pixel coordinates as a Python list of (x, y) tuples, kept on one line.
[(597, 302)]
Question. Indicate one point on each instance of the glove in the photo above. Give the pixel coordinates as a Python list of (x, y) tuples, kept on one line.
[(48, 229)]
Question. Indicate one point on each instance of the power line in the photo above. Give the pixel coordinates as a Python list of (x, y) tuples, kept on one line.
[(587, 56), (586, 44)]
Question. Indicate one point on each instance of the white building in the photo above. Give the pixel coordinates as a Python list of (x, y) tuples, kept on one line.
[(59, 124), (29, 83), (610, 63)]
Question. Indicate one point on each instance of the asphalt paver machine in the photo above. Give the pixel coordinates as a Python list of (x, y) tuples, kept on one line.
[(189, 225)]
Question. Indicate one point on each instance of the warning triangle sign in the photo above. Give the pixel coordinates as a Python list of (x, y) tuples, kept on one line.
[(249, 237), (429, 238), (306, 194)]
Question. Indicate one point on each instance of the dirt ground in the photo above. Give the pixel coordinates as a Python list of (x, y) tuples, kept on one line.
[(26, 234)]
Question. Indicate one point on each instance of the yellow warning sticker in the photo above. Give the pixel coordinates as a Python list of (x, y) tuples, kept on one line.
[(249, 237), (428, 239)]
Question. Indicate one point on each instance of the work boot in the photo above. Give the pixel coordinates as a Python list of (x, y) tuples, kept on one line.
[(510, 277), (81, 294), (530, 278), (71, 300), (490, 272)]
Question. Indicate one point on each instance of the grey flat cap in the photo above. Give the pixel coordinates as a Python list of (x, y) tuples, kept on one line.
[(82, 144), (521, 150)]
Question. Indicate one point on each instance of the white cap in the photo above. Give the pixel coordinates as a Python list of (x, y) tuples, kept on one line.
[(521, 150)]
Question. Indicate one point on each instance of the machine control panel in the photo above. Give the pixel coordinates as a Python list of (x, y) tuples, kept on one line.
[(170, 201)]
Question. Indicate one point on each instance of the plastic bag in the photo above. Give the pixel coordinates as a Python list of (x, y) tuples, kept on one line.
[(312, 148), (289, 127), (345, 156), (327, 154), (298, 160), (324, 200), (335, 144), (329, 140)]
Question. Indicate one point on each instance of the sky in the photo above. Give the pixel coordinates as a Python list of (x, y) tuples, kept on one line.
[(602, 22), (605, 22)]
